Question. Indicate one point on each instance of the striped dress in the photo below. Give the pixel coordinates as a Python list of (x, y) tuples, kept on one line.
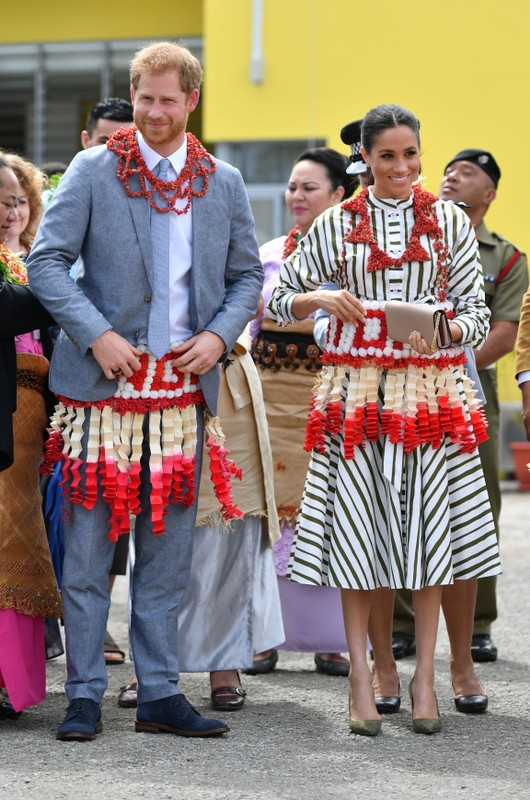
[(394, 494)]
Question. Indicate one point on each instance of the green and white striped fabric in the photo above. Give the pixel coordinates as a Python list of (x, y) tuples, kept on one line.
[(388, 518)]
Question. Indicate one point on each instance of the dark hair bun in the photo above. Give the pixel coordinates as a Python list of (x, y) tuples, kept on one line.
[(335, 165)]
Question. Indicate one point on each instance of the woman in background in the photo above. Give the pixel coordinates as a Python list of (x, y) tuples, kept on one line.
[(28, 588), (288, 361), (32, 183)]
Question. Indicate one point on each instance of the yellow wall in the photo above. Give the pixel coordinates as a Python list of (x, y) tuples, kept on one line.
[(461, 67), (63, 20)]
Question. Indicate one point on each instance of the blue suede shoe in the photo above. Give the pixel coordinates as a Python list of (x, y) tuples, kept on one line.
[(82, 721), (175, 715)]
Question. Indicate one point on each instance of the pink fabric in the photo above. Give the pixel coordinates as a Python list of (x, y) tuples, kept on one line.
[(22, 658), (270, 254), (27, 343)]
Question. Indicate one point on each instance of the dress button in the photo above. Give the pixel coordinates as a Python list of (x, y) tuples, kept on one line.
[(147, 298), (136, 334)]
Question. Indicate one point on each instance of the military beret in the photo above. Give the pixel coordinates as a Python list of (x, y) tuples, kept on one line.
[(482, 159), (351, 134)]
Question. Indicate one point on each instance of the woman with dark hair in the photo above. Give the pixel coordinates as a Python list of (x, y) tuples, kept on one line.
[(28, 588), (288, 362), (395, 495)]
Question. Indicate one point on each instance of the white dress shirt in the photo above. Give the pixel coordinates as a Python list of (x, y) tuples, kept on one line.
[(180, 245)]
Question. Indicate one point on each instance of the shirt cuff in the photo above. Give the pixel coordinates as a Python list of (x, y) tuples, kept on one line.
[(523, 377)]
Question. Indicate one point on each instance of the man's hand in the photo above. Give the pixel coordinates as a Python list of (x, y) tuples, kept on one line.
[(115, 355), (200, 353)]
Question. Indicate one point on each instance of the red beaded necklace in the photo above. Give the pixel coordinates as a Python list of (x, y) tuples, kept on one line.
[(199, 164), (425, 222), (291, 241)]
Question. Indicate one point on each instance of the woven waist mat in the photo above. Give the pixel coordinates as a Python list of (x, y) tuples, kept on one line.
[(290, 351)]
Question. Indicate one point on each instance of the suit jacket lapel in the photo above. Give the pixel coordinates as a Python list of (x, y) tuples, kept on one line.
[(140, 214), (200, 209)]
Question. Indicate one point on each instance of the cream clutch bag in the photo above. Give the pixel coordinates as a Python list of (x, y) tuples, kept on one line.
[(431, 322)]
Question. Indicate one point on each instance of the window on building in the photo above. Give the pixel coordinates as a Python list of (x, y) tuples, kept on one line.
[(47, 90), (266, 167)]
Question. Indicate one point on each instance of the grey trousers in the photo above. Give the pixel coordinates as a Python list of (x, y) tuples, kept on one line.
[(159, 580)]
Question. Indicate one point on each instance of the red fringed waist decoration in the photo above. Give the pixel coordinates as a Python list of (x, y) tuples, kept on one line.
[(412, 406), (105, 439), (424, 398), (367, 342)]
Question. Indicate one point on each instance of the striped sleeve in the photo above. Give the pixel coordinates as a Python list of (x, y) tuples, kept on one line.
[(465, 279), (315, 261)]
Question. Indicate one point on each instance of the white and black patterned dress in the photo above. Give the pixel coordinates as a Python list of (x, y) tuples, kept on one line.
[(395, 494)]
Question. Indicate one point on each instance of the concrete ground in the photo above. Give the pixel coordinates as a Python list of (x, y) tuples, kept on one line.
[(292, 740)]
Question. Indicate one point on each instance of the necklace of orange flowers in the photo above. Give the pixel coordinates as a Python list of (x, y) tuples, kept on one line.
[(12, 267), (425, 222), (291, 241), (198, 168)]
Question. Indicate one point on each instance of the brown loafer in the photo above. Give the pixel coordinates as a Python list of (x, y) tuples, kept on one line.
[(228, 698), (128, 696)]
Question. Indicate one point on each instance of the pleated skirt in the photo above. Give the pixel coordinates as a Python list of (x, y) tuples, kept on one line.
[(390, 519)]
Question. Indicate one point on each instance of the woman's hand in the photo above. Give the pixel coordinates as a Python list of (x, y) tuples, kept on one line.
[(423, 347), (419, 344), (342, 304), (339, 302)]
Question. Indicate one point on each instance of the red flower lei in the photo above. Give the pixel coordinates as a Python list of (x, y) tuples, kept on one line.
[(291, 241), (425, 222), (199, 164)]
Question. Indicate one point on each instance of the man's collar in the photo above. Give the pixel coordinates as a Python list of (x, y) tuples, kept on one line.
[(483, 235), (152, 158)]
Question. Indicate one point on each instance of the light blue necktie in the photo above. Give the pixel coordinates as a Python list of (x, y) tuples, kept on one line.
[(158, 329)]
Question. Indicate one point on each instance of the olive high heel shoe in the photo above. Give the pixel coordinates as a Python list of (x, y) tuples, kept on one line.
[(425, 724), (363, 727)]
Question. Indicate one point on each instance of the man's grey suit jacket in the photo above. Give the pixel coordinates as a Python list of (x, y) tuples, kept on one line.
[(91, 215)]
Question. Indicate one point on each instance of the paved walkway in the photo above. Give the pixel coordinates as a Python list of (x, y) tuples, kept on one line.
[(291, 741)]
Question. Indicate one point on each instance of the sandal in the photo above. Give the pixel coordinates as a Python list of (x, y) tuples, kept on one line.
[(113, 654)]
